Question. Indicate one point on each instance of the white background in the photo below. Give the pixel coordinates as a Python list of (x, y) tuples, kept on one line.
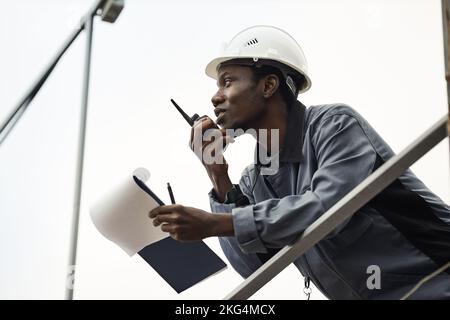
[(384, 58)]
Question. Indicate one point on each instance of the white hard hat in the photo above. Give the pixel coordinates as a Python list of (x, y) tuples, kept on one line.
[(266, 44)]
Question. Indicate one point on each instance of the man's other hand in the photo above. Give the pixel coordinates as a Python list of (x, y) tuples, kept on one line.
[(187, 224)]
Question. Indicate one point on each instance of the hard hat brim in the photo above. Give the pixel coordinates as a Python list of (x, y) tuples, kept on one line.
[(212, 69)]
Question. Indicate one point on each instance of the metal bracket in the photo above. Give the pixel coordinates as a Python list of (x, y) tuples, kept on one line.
[(111, 10)]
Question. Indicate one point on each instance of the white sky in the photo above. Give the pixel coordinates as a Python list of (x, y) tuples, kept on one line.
[(384, 58)]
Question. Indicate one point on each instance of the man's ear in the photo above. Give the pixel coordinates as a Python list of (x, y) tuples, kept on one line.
[(271, 83)]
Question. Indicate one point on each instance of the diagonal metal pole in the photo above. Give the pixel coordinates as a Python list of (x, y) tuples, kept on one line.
[(14, 116), (110, 10), (343, 209)]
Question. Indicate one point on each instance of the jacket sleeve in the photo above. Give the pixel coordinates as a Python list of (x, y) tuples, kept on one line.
[(243, 187), (345, 157), (217, 206)]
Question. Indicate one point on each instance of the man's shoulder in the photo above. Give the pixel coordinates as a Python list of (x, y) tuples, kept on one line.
[(318, 113)]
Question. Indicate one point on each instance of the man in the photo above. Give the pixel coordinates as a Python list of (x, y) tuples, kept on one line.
[(325, 151)]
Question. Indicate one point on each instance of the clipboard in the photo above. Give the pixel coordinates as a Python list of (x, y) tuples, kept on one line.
[(122, 217)]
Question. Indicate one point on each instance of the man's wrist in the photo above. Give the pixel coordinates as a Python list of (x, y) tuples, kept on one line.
[(221, 184), (223, 225)]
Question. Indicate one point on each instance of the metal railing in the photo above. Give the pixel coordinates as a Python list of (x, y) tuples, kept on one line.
[(356, 198)]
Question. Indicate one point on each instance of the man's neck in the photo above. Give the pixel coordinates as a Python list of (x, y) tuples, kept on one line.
[(275, 118)]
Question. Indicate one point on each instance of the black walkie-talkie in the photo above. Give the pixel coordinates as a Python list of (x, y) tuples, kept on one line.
[(189, 120), (194, 118)]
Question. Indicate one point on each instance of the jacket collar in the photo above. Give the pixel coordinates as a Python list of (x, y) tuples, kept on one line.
[(291, 150)]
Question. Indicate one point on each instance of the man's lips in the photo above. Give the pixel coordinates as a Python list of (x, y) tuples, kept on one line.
[(220, 116), (218, 111)]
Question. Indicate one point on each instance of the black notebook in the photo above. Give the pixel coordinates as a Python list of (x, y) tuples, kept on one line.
[(181, 265)]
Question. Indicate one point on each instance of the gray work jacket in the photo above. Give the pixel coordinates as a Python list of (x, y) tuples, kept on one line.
[(329, 150)]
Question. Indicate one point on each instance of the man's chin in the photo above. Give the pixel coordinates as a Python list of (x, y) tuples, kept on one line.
[(229, 125), (225, 125)]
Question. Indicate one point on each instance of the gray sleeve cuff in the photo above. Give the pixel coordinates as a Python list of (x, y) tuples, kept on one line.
[(219, 207), (245, 230)]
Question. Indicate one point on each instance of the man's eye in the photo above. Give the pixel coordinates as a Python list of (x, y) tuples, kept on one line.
[(227, 82)]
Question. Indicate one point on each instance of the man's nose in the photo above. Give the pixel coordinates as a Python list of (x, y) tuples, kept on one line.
[(217, 99)]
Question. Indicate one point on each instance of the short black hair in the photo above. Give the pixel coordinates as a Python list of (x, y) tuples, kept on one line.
[(260, 72)]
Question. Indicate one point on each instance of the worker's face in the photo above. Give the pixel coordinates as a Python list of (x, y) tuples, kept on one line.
[(239, 100)]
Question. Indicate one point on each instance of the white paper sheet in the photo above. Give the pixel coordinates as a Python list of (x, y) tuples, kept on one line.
[(121, 215)]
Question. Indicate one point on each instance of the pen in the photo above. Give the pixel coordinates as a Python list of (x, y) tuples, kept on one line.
[(170, 193)]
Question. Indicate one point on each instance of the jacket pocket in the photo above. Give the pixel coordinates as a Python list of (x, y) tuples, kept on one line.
[(354, 230)]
